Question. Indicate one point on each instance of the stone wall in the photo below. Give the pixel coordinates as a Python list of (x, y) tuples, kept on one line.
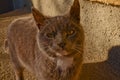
[(113, 2)]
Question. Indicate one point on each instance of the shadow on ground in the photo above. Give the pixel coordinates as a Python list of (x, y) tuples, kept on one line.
[(108, 70)]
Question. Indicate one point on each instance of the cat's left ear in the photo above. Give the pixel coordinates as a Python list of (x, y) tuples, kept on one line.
[(39, 18), (75, 11)]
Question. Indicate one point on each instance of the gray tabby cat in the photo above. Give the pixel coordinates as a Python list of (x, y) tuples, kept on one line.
[(50, 48)]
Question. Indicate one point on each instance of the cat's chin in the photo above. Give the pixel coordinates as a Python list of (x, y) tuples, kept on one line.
[(64, 63), (61, 53)]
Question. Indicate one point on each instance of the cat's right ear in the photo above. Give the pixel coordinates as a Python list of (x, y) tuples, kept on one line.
[(75, 11), (39, 18)]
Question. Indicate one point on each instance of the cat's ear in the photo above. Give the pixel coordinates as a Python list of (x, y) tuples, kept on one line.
[(75, 11), (39, 18)]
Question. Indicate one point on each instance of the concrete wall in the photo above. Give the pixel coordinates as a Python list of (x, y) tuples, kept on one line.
[(113, 2)]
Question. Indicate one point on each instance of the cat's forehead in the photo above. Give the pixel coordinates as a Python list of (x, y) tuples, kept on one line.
[(59, 19), (60, 22)]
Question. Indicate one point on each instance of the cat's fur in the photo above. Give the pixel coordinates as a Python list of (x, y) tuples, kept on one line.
[(50, 48)]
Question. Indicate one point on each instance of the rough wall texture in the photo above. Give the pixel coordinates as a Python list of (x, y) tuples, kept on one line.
[(114, 2), (102, 27), (102, 39)]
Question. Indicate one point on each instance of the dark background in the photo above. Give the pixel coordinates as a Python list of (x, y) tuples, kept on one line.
[(9, 5)]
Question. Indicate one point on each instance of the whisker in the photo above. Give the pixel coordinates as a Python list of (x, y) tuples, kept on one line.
[(77, 50), (79, 45)]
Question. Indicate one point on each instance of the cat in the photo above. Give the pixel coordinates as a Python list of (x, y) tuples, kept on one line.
[(49, 47)]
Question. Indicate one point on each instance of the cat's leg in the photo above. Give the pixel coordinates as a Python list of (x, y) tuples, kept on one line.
[(18, 69), (19, 74)]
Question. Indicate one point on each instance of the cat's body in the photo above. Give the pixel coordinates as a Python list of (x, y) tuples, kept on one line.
[(50, 48)]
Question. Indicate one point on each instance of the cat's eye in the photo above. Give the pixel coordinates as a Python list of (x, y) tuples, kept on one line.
[(50, 35), (71, 32)]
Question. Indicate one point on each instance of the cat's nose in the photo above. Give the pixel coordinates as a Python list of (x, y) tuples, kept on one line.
[(62, 45)]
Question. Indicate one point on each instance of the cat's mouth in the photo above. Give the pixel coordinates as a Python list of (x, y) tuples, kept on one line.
[(65, 53), (60, 53)]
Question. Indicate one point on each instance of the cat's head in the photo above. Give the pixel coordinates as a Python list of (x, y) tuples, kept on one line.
[(60, 35)]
